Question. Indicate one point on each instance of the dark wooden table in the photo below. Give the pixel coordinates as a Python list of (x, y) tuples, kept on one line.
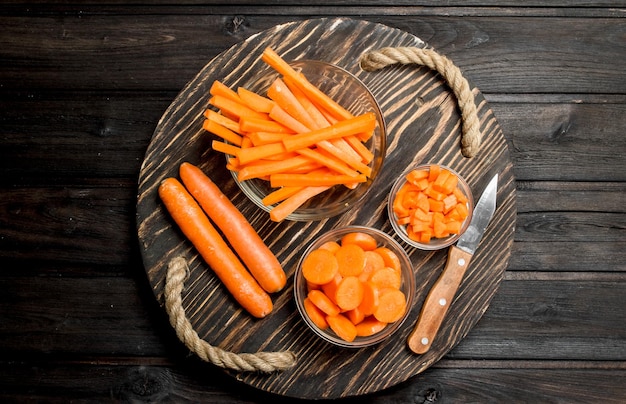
[(82, 89)]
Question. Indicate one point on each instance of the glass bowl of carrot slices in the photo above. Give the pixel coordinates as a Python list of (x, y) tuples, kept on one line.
[(354, 286), (313, 146), (430, 206)]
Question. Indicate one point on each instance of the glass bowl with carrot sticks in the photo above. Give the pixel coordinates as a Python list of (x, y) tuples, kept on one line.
[(304, 140), (430, 206), (354, 286)]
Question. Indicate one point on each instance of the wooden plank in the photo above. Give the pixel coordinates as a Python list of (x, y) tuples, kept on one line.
[(540, 318), (144, 380), (122, 51)]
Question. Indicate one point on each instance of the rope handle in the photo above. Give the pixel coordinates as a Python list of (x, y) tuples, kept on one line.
[(267, 362), (378, 59), (178, 270)]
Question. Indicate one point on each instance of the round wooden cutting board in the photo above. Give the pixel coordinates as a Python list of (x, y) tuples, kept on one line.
[(423, 125)]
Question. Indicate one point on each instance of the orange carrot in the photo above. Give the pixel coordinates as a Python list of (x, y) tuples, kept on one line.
[(360, 123), (391, 306), (320, 267), (315, 314), (244, 239), (195, 225), (350, 259), (315, 94), (255, 101), (342, 326), (289, 205), (363, 240), (349, 293), (328, 161)]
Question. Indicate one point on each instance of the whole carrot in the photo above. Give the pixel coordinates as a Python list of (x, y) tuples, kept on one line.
[(196, 226), (244, 239)]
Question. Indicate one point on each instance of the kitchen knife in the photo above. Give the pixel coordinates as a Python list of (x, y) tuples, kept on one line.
[(442, 293)]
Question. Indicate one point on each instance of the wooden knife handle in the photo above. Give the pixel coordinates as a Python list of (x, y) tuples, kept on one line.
[(438, 300)]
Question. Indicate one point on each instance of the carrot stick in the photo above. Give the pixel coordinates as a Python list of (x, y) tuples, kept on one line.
[(315, 94), (221, 131), (252, 124), (273, 167), (310, 107), (219, 88), (289, 205), (328, 161), (249, 154), (225, 148), (348, 158), (255, 101), (222, 120), (279, 195), (313, 180), (206, 239), (244, 239), (260, 138), (281, 116), (360, 123), (283, 97), (235, 108), (357, 145)]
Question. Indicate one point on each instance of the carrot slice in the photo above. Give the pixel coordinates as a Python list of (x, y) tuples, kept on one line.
[(391, 306), (373, 262), (350, 259), (331, 246), (386, 278), (323, 302), (317, 316), (320, 266), (342, 326), (370, 301), (355, 315), (390, 258), (349, 293), (369, 326), (363, 240)]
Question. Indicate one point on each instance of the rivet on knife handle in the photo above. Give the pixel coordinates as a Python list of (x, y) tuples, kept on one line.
[(438, 301)]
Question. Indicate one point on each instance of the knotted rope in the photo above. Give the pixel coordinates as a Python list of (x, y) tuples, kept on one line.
[(378, 59), (177, 273)]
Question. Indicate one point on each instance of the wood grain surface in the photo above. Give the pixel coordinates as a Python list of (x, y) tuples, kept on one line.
[(423, 125)]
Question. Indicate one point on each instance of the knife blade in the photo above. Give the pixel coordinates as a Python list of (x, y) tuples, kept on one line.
[(459, 256)]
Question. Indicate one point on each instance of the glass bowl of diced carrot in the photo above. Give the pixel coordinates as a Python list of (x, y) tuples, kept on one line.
[(277, 162), (354, 286), (430, 206)]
